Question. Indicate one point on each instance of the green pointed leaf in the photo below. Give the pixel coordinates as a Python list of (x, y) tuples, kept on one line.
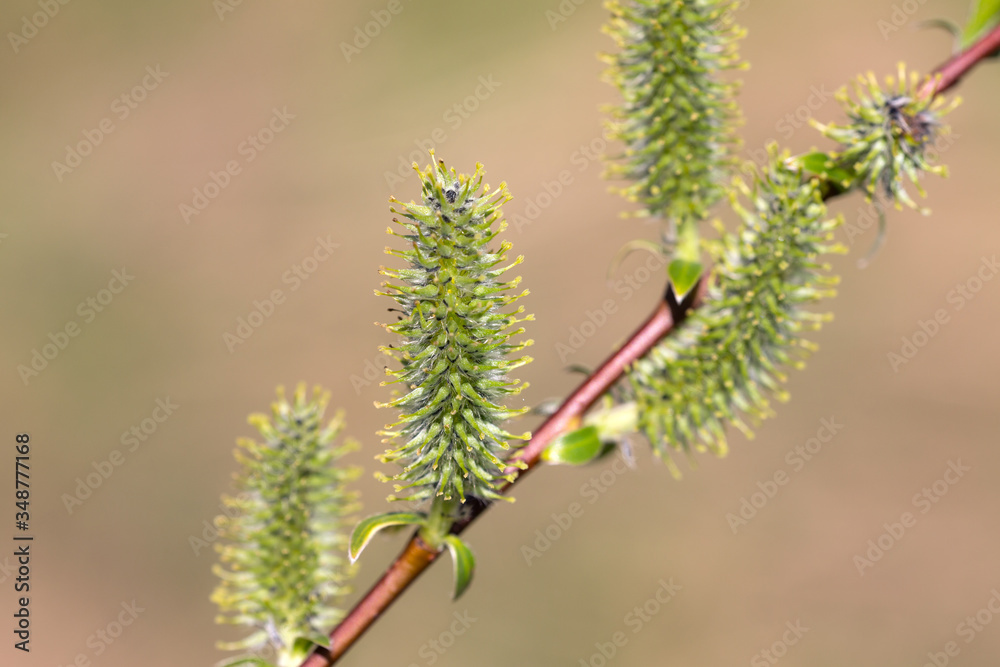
[(815, 162), (367, 528), (684, 275), (303, 646), (316, 639), (464, 562), (985, 16), (575, 448), (824, 165)]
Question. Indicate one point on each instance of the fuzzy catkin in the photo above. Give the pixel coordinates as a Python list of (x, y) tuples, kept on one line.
[(727, 358), (283, 537), (678, 117), (455, 348), (889, 135)]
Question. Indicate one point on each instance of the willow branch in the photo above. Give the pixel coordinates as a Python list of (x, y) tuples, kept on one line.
[(417, 555)]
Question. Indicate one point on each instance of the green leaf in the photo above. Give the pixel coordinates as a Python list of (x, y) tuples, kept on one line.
[(684, 275), (686, 268), (575, 448), (303, 646), (815, 162), (464, 562), (985, 16), (316, 639), (367, 528), (824, 165)]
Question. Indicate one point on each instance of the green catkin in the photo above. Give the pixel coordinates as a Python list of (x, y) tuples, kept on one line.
[(283, 536), (889, 136), (727, 359), (678, 118), (455, 331)]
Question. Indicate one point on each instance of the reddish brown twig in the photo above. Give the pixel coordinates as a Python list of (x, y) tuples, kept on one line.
[(950, 73), (416, 556), (413, 560)]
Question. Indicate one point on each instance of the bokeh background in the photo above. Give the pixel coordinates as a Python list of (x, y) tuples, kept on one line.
[(226, 69)]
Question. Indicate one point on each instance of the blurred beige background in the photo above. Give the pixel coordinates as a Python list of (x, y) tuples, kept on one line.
[(222, 74)]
